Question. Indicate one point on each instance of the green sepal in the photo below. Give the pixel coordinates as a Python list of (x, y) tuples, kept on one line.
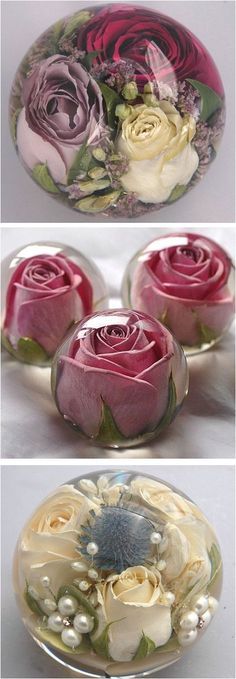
[(210, 101), (72, 590), (108, 431), (42, 176), (177, 192), (28, 351), (32, 603), (75, 22), (54, 640), (112, 100), (13, 123), (101, 644), (216, 562), (145, 647), (97, 203), (207, 335), (80, 164)]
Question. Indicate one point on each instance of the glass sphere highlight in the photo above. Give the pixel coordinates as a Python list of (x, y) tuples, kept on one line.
[(46, 288), (186, 281), (117, 110), (151, 600), (119, 378)]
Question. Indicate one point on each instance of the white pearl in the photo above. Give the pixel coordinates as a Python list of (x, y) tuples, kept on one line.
[(48, 605), (84, 585), (70, 637), (33, 592), (45, 581), (67, 605), (170, 597), (55, 622), (187, 638), (83, 623), (201, 605), (189, 620), (206, 618), (93, 599), (92, 548), (93, 575), (79, 567), (213, 604), (155, 538), (161, 565)]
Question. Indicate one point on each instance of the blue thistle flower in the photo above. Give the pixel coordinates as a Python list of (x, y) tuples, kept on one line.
[(122, 537)]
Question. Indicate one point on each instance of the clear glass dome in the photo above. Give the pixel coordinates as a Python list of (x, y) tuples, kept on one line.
[(186, 281), (46, 288), (117, 110), (117, 574), (119, 378)]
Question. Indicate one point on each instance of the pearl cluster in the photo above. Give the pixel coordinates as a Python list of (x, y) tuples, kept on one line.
[(157, 540), (199, 616), (71, 633)]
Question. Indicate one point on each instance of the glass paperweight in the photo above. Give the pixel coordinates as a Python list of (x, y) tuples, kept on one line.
[(119, 378), (117, 574), (186, 281), (117, 110), (46, 288)]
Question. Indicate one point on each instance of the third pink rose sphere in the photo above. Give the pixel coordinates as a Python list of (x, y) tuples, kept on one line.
[(119, 378), (117, 110), (186, 281)]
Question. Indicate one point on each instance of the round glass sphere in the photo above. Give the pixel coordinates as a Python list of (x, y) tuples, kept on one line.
[(119, 378), (186, 281), (117, 574), (46, 288), (117, 110)]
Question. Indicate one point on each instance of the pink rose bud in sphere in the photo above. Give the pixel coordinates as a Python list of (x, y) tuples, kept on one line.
[(119, 378), (186, 281), (47, 287)]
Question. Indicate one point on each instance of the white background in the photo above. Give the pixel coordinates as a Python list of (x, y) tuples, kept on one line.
[(212, 488), (32, 426), (210, 201)]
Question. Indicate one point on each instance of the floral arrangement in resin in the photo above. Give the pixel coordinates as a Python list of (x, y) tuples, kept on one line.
[(50, 288), (117, 110), (119, 377), (186, 281), (117, 568)]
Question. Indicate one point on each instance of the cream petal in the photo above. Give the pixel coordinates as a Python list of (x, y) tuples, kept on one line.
[(177, 553)]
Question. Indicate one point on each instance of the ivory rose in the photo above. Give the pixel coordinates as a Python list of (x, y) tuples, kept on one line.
[(49, 542), (157, 142), (135, 601)]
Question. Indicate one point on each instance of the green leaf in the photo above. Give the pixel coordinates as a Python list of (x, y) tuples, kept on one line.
[(80, 164), (211, 101), (88, 59), (177, 192), (54, 640), (30, 351), (57, 31), (101, 644), (96, 203), (112, 100), (72, 590), (216, 562), (41, 175), (146, 646), (32, 603), (207, 335), (75, 21), (13, 123), (108, 431)]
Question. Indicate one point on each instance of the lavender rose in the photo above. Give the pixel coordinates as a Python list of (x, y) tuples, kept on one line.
[(63, 108)]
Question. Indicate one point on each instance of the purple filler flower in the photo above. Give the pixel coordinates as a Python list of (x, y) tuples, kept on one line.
[(63, 108)]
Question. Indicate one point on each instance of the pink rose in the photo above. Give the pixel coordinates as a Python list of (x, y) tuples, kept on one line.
[(46, 294), (185, 284), (122, 360)]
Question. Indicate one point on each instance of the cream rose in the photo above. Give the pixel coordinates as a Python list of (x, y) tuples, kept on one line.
[(135, 601), (157, 141), (49, 542)]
